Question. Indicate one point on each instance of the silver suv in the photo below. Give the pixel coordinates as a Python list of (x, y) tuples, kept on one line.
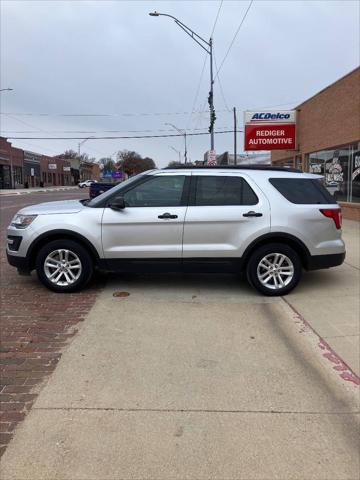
[(269, 222)]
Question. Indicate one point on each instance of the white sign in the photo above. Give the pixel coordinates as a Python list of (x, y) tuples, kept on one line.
[(66, 169), (32, 172), (281, 116), (52, 166), (211, 157)]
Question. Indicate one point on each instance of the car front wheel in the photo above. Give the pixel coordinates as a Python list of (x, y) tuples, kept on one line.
[(64, 266), (274, 269)]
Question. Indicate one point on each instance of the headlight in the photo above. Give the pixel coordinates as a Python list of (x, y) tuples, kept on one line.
[(22, 221)]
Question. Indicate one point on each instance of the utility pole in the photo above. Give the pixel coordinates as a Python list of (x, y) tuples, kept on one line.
[(211, 96), (235, 143)]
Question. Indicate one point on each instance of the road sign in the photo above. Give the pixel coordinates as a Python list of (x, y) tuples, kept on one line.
[(211, 157), (116, 174)]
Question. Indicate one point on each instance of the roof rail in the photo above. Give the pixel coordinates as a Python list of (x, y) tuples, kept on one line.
[(236, 167)]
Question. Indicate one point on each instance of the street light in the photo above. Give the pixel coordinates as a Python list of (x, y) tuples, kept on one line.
[(208, 47), (6, 89), (80, 143), (183, 132), (177, 151)]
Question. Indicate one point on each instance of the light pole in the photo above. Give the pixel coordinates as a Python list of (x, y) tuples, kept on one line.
[(80, 143), (183, 132), (177, 151), (79, 146), (6, 89), (208, 47)]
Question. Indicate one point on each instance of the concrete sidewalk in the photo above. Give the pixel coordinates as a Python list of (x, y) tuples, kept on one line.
[(330, 300), (201, 378)]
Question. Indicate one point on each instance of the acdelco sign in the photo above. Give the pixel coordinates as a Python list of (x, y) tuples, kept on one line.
[(270, 130), (282, 116)]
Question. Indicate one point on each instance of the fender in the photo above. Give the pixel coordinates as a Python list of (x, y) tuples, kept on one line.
[(53, 235), (279, 237)]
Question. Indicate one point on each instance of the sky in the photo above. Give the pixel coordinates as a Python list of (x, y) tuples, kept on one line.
[(107, 68)]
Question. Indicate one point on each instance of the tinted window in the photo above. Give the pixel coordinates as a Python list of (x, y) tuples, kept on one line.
[(305, 191), (162, 191), (222, 190)]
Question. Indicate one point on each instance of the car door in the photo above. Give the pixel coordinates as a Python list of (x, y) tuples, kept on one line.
[(226, 212), (151, 224)]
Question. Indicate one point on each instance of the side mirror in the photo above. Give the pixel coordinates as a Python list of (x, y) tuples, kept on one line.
[(118, 203)]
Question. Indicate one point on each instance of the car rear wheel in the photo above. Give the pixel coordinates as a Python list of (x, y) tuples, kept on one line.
[(64, 266), (274, 269)]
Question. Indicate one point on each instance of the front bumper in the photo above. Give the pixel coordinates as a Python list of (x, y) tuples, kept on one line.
[(21, 263), (317, 262)]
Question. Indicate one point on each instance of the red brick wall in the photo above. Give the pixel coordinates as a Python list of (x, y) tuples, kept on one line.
[(329, 119)]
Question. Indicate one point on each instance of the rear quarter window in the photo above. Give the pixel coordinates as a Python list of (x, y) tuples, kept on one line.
[(302, 191)]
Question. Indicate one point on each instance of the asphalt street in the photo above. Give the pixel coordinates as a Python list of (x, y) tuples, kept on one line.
[(198, 377)]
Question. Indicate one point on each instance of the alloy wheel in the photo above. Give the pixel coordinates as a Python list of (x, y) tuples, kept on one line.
[(62, 267), (275, 271)]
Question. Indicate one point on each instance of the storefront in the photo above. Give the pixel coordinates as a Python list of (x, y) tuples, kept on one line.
[(11, 165), (32, 174), (55, 171), (328, 141)]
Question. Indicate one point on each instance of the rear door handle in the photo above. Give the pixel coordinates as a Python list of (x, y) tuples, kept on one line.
[(167, 215), (252, 214)]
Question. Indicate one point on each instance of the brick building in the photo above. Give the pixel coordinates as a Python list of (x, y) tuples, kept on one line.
[(89, 171), (11, 165), (24, 169), (55, 171), (328, 140)]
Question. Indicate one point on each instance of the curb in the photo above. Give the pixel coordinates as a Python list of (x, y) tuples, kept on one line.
[(43, 190)]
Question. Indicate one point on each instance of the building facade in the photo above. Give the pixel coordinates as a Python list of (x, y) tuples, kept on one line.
[(328, 141), (11, 165), (24, 169), (55, 171), (32, 174)]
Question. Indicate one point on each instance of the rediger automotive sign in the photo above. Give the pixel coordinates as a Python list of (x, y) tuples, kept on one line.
[(270, 130)]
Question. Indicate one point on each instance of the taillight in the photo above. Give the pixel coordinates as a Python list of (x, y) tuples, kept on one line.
[(334, 213)]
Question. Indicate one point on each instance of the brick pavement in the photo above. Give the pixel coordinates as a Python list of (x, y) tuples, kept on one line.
[(36, 326)]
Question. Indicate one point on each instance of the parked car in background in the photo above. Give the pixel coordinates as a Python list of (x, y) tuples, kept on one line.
[(97, 188), (86, 183), (269, 222)]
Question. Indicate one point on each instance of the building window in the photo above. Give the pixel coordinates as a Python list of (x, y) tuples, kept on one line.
[(18, 177), (341, 170)]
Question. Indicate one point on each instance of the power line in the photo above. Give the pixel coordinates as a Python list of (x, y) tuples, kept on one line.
[(101, 131), (144, 114), (220, 85), (234, 38), (118, 137), (216, 19)]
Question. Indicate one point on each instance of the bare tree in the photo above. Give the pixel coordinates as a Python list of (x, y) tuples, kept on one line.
[(132, 163)]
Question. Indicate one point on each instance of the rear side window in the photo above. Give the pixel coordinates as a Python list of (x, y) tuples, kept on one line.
[(303, 191), (222, 190)]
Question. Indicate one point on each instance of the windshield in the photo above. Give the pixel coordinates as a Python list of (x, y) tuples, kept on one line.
[(99, 199)]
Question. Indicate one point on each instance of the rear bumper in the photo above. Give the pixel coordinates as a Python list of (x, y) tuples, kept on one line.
[(316, 262)]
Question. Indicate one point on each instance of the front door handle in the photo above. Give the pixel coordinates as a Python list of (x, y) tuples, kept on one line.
[(167, 215), (252, 214)]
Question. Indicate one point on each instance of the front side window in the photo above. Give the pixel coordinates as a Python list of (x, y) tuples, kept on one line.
[(223, 190), (159, 191)]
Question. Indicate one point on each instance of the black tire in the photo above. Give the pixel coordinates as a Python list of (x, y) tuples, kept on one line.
[(253, 269), (79, 255)]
